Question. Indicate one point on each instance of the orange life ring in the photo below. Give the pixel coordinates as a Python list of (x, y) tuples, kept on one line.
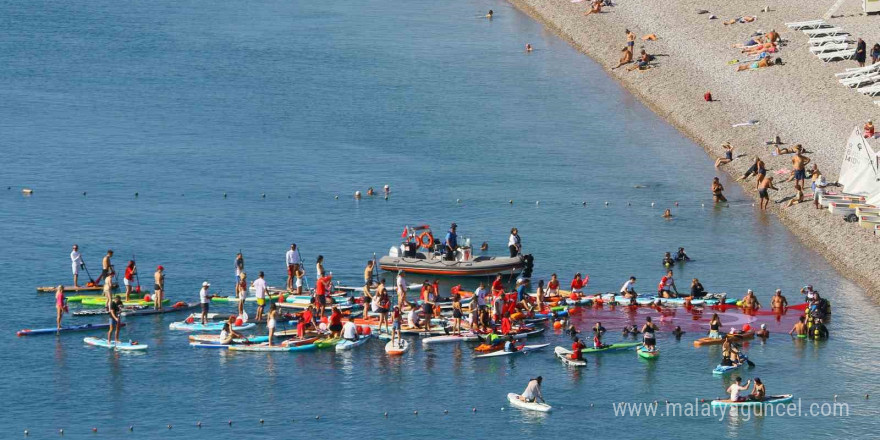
[(426, 236)]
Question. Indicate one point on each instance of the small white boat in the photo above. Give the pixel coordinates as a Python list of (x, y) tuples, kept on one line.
[(513, 398)]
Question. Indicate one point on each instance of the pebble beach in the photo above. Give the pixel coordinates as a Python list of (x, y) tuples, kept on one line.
[(800, 101)]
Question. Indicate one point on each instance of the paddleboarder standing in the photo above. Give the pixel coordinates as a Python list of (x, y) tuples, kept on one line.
[(114, 307), (76, 263), (293, 262), (107, 267), (158, 287)]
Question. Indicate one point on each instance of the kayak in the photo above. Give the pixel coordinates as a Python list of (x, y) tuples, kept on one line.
[(211, 326), (612, 347), (215, 339), (716, 341), (175, 308), (326, 342), (396, 349), (347, 344), (71, 328), (519, 350), (266, 347), (654, 354), (513, 398), (768, 400), (464, 337), (564, 355), (126, 346)]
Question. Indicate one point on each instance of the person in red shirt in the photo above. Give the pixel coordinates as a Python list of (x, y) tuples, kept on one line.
[(577, 284), (335, 322), (553, 286), (497, 286), (128, 279), (322, 288), (505, 325), (307, 319), (576, 347), (426, 291)]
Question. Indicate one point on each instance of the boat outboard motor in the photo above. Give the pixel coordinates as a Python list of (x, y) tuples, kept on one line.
[(529, 265)]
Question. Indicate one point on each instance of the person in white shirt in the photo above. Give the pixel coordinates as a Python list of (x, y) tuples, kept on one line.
[(76, 262), (293, 263), (349, 330), (533, 390), (260, 290), (514, 243), (736, 390), (627, 290), (401, 287), (205, 301), (480, 293), (819, 185)]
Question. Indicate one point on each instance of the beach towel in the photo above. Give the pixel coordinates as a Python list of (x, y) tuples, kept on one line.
[(783, 171), (746, 124)]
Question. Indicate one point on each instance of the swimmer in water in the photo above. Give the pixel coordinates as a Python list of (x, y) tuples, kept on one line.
[(667, 213), (528, 47), (489, 15)]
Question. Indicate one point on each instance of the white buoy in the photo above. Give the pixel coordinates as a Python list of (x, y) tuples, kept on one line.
[(28, 191), (357, 194), (702, 205), (652, 204), (606, 203), (457, 200), (538, 202), (337, 197), (510, 201)]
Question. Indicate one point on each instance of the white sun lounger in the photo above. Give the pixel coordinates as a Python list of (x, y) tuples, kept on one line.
[(840, 54), (859, 81), (810, 24), (855, 71), (872, 90), (829, 48), (821, 41), (824, 31), (877, 102)]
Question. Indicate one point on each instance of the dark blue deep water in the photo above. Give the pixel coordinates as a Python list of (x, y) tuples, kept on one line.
[(183, 102)]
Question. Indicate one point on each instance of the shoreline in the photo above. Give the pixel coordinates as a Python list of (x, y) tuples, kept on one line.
[(800, 101)]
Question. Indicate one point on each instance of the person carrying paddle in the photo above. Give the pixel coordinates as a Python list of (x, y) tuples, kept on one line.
[(76, 263), (205, 301), (533, 390)]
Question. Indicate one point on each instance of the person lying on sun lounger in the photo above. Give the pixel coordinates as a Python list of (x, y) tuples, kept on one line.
[(763, 62)]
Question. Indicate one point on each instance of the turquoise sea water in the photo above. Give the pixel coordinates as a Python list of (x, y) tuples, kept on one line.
[(183, 102)]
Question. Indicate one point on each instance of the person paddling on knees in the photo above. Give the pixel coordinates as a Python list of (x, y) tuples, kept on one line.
[(349, 330), (533, 391)]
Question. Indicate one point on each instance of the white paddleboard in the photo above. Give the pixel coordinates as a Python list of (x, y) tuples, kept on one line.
[(123, 346), (513, 398), (564, 355), (397, 347), (524, 349), (344, 345)]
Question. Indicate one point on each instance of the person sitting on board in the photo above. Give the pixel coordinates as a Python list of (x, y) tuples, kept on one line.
[(697, 290), (553, 286), (533, 391), (598, 332), (577, 286), (648, 329), (736, 390), (628, 291), (510, 345), (730, 353), (758, 391), (305, 320), (228, 335), (335, 322), (576, 347), (413, 316), (667, 260), (681, 255), (750, 301), (667, 286), (349, 330)]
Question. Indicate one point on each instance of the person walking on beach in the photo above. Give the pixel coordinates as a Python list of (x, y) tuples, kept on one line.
[(799, 164), (76, 263), (717, 191), (728, 155), (158, 287), (293, 262), (763, 187), (861, 52), (205, 301), (107, 267), (514, 243)]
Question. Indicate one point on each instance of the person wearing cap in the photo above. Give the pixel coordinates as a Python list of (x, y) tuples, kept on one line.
[(205, 301), (763, 332), (158, 287), (401, 287), (387, 189), (293, 262), (260, 292), (779, 302), (514, 243), (750, 301), (533, 390), (521, 286), (451, 243)]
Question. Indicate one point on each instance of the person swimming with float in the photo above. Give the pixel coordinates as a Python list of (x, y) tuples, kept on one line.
[(667, 260)]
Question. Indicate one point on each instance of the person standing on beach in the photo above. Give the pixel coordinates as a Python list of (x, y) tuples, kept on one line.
[(717, 191), (799, 163), (293, 261), (158, 287), (819, 185), (763, 187), (875, 53), (861, 52), (630, 40), (76, 262)]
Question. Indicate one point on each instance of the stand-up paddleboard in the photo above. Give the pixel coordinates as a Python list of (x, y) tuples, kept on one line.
[(50, 289), (513, 398), (265, 347), (768, 400), (346, 344), (613, 347), (209, 327), (644, 353), (70, 328), (217, 346), (396, 348), (522, 349), (171, 309), (215, 339), (122, 346), (564, 355), (464, 337), (327, 342)]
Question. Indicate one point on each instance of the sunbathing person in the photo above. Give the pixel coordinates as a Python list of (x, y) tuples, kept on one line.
[(773, 36), (763, 62), (625, 58), (746, 19), (798, 198), (754, 41), (760, 49), (728, 155), (596, 8), (644, 59)]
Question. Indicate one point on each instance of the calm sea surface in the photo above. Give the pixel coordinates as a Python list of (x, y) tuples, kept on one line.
[(183, 102)]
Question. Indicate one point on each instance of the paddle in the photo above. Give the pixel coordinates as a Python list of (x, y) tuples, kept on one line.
[(138, 289), (91, 280)]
